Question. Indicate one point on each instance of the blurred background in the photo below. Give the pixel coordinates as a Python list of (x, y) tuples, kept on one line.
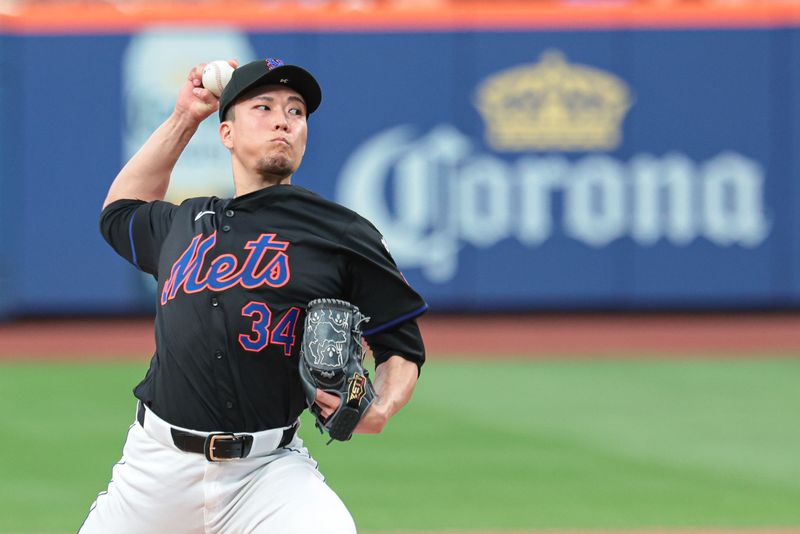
[(598, 199)]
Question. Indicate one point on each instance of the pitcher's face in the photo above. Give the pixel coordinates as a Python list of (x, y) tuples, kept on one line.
[(268, 131)]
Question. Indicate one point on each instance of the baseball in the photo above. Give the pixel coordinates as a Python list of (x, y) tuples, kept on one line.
[(216, 76)]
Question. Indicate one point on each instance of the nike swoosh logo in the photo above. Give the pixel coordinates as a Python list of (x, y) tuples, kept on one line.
[(203, 213)]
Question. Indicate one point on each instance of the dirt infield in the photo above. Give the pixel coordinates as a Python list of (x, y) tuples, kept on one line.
[(523, 336)]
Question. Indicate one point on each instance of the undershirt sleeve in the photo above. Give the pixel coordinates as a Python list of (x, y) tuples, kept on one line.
[(404, 340)]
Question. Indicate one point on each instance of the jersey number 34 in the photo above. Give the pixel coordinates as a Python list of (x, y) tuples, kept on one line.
[(263, 332)]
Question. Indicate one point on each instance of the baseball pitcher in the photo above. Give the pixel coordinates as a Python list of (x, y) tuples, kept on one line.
[(262, 302)]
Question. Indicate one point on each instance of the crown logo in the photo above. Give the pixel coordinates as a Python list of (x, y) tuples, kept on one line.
[(553, 105)]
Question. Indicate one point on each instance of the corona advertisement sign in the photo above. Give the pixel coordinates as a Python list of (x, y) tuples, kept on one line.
[(511, 165)]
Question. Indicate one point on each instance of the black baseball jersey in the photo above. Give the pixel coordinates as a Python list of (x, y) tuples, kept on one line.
[(234, 278)]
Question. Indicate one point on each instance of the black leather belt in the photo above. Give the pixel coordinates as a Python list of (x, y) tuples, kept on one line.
[(219, 446)]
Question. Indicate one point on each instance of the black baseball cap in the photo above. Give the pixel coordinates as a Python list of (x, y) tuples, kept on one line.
[(266, 72)]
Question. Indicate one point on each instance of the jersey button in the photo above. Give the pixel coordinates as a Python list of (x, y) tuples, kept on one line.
[(218, 354), (226, 228), (214, 302), (229, 213), (229, 404)]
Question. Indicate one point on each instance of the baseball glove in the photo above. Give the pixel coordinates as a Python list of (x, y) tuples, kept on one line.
[(331, 359)]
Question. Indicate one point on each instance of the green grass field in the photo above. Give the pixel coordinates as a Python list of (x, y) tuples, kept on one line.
[(503, 445)]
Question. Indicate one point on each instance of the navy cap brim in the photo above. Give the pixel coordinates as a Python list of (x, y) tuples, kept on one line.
[(257, 73)]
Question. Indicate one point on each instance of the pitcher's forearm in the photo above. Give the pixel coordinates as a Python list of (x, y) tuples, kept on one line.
[(395, 380), (146, 175), (394, 384)]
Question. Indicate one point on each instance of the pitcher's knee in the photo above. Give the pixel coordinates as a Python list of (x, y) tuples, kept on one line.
[(330, 516), (327, 524), (324, 514)]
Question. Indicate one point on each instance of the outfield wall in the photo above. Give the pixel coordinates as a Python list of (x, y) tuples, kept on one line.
[(5, 178), (523, 160)]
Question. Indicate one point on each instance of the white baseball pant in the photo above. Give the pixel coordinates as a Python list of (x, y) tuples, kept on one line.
[(157, 488)]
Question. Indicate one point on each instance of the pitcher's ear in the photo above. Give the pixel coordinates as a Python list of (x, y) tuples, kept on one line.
[(226, 134)]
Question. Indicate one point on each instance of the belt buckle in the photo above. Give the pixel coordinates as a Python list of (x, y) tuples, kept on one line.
[(211, 441)]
